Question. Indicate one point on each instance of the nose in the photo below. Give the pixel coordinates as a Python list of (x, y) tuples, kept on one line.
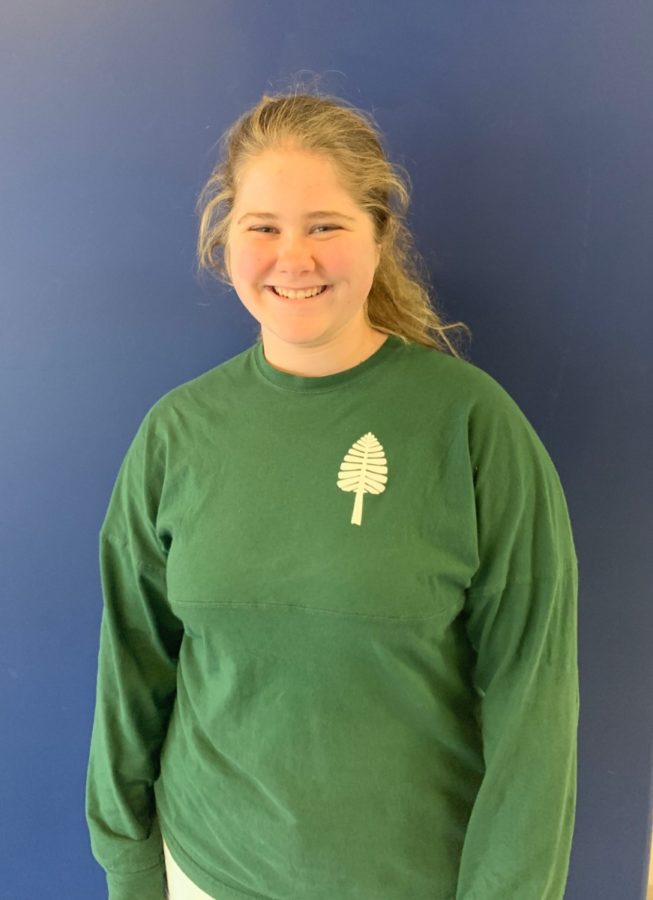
[(294, 255)]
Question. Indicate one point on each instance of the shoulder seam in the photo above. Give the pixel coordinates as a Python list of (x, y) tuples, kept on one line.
[(569, 569)]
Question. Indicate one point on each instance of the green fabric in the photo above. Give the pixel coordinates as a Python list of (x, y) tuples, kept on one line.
[(148, 885), (338, 651)]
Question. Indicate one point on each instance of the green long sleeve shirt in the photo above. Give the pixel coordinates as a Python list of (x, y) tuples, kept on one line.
[(338, 649)]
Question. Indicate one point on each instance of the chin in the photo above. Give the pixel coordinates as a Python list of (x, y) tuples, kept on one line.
[(297, 333)]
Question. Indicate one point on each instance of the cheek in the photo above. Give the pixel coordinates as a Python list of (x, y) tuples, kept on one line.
[(248, 262), (340, 262)]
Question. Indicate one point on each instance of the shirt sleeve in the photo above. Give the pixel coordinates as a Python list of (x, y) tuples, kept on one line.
[(520, 614), (136, 680)]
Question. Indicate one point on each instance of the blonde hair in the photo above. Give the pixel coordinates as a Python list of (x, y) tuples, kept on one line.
[(399, 301)]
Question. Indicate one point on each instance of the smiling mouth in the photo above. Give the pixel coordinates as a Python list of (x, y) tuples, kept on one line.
[(322, 290)]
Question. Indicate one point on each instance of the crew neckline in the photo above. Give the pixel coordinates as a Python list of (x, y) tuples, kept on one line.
[(317, 383)]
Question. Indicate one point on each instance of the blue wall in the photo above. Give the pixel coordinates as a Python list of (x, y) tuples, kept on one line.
[(527, 129)]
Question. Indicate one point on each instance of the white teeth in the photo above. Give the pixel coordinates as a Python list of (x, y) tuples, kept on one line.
[(298, 295)]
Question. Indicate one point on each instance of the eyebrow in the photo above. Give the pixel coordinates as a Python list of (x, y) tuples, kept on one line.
[(318, 214)]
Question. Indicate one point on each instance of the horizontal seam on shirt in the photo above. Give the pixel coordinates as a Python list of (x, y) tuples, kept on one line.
[(335, 612)]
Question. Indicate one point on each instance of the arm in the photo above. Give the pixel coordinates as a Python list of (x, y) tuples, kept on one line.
[(136, 682), (520, 617)]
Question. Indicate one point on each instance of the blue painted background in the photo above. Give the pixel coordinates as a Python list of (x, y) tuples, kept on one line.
[(527, 129)]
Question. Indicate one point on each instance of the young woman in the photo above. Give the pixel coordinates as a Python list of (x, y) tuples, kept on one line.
[(338, 644)]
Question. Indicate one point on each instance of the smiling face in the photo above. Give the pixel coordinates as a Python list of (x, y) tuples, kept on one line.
[(294, 226)]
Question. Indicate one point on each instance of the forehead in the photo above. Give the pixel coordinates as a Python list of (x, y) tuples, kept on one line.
[(290, 172)]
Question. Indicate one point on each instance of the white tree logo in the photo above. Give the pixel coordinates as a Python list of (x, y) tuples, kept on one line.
[(363, 471)]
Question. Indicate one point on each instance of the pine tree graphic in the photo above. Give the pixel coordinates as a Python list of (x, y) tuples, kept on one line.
[(364, 471)]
